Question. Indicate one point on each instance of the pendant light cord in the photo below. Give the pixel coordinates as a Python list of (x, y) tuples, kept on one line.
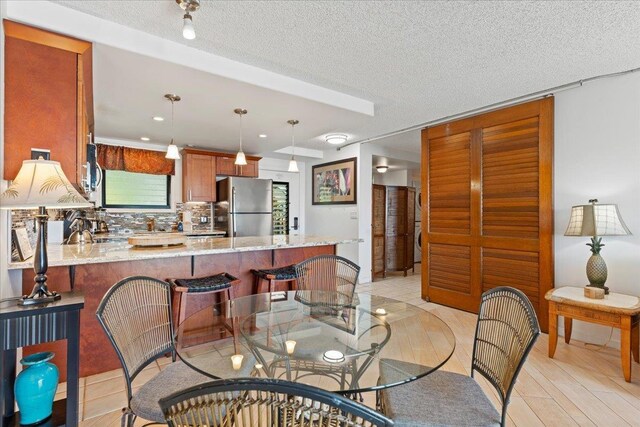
[(240, 132), (172, 131), (293, 141)]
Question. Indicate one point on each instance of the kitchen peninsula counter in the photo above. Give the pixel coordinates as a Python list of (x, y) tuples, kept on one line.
[(94, 268), (98, 253)]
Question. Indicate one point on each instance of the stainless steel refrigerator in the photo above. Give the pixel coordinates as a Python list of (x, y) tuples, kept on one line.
[(244, 206)]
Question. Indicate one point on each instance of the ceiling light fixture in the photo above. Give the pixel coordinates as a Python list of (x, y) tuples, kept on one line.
[(144, 138), (382, 168), (241, 160), (189, 6), (172, 149), (158, 118), (293, 165), (336, 138), (262, 135)]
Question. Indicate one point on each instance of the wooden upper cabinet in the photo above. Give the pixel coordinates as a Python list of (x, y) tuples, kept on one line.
[(198, 177), (48, 98), (226, 166), (249, 170)]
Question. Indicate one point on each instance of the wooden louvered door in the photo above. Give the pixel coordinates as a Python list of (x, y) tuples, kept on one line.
[(378, 231), (488, 212)]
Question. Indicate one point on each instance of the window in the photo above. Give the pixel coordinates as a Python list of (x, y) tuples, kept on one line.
[(122, 189)]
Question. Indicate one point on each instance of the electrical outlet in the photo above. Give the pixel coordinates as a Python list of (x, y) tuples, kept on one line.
[(353, 215)]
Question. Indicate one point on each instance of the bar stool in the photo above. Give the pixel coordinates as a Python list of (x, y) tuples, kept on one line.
[(218, 283), (274, 276)]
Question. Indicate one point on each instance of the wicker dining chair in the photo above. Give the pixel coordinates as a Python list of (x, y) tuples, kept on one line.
[(136, 316), (506, 330), (264, 402), (328, 273)]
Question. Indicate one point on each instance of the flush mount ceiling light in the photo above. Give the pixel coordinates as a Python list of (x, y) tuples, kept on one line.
[(293, 165), (241, 160), (189, 6), (144, 138), (158, 118), (336, 138), (172, 150), (382, 168), (262, 135)]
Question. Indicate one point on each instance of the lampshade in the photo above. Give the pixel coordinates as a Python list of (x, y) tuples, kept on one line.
[(596, 220), (241, 160), (172, 152), (293, 166), (41, 183)]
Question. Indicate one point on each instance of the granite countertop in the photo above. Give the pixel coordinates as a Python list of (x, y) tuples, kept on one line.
[(95, 253)]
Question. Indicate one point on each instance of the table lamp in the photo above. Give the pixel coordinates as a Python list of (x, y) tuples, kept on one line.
[(596, 221), (41, 184)]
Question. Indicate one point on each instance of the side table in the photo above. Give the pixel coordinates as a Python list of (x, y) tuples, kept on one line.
[(28, 325), (615, 310)]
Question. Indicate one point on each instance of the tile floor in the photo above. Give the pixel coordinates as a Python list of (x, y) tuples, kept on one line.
[(580, 386)]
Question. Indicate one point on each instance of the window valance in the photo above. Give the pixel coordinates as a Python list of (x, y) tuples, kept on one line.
[(112, 157)]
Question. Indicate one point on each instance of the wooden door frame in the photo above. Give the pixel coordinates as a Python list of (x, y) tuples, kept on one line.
[(543, 109), (384, 233)]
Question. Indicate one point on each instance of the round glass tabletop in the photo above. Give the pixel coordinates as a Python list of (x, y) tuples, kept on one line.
[(329, 340)]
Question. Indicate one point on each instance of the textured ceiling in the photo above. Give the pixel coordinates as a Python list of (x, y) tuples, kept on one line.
[(417, 61)]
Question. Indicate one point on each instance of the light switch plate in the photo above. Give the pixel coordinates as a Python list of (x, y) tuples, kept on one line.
[(353, 215)]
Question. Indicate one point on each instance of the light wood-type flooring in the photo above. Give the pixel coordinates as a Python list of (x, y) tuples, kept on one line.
[(580, 386)]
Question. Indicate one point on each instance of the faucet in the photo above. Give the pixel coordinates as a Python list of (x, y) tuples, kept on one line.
[(151, 224)]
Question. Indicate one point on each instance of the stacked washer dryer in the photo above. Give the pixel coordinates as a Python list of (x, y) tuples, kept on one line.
[(417, 257)]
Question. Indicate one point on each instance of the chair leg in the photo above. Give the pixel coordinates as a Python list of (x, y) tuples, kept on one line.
[(128, 418)]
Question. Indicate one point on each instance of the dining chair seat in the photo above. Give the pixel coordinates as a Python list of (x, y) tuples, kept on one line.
[(438, 399), (175, 377)]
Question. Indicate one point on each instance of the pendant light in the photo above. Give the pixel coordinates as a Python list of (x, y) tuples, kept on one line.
[(172, 149), (189, 6), (293, 165), (241, 160)]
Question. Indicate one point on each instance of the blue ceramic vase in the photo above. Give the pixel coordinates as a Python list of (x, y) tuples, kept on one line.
[(35, 387)]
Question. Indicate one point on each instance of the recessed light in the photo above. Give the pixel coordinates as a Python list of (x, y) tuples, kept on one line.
[(144, 138), (158, 118), (262, 135), (336, 138)]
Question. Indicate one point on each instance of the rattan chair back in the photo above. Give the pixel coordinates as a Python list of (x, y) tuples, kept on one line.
[(136, 315), (328, 273), (506, 330), (263, 402)]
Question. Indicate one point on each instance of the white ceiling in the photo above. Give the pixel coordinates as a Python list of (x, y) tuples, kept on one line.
[(129, 90), (417, 61)]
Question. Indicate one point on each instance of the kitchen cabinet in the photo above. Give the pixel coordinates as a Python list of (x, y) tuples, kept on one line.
[(226, 166), (48, 99), (198, 176)]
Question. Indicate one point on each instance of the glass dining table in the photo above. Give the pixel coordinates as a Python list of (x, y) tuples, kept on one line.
[(326, 339)]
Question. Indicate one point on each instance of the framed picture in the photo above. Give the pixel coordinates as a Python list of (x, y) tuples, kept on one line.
[(22, 243), (335, 183)]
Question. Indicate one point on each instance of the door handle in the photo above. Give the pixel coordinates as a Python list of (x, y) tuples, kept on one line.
[(233, 210), (189, 194), (295, 222)]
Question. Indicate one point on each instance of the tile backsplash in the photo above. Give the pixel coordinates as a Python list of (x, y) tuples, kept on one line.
[(118, 222)]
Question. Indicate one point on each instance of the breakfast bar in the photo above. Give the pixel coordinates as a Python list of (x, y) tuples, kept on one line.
[(94, 268)]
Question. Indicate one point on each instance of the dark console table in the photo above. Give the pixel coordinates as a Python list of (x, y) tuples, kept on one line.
[(29, 325)]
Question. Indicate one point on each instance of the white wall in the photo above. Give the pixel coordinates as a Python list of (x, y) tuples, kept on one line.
[(391, 177), (336, 220), (597, 155)]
